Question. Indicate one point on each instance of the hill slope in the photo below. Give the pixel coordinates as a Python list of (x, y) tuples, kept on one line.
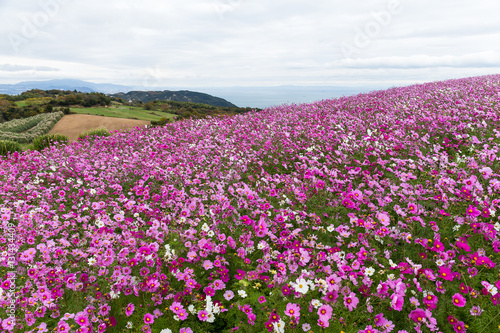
[(179, 96), (374, 212)]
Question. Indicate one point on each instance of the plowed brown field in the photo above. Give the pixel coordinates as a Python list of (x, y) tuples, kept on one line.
[(72, 125)]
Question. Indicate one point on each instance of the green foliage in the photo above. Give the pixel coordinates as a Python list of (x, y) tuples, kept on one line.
[(47, 140), (7, 146), (94, 133), (161, 122)]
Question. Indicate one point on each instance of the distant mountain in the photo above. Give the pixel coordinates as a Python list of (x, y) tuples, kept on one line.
[(179, 96), (63, 84)]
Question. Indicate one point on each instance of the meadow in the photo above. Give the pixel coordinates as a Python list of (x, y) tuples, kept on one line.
[(369, 213), (121, 111)]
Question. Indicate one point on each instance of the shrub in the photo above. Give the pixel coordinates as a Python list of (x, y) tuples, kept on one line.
[(160, 122), (7, 146), (47, 140), (94, 133)]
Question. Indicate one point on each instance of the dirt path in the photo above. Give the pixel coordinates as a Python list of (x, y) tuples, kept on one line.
[(73, 125)]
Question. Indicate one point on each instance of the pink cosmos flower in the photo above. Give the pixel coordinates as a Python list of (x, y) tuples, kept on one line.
[(459, 300), (383, 218), (186, 330), (412, 208), (202, 315), (431, 301), (476, 311), (323, 323), (207, 264), (82, 319), (62, 326), (351, 301), (262, 299), (459, 327), (182, 314), (486, 172), (397, 301), (104, 310), (325, 312), (176, 307), (228, 295), (292, 310), (149, 318), (130, 309), (379, 320)]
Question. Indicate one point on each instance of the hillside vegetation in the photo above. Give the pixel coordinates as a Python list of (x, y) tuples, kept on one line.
[(36, 102), (368, 213)]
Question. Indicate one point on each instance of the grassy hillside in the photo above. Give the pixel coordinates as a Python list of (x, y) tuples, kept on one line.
[(368, 213), (121, 111)]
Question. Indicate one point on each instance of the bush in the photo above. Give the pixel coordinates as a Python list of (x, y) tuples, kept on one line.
[(160, 122), (47, 140), (94, 133), (7, 146)]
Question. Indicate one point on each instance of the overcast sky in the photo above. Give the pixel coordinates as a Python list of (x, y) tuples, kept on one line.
[(217, 43)]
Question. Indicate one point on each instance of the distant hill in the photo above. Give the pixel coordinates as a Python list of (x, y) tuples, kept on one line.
[(178, 96), (63, 84)]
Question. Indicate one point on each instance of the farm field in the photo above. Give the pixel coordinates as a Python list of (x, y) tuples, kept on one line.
[(21, 103), (368, 213), (73, 125), (121, 111)]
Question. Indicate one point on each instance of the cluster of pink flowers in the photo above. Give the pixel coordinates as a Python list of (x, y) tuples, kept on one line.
[(369, 213)]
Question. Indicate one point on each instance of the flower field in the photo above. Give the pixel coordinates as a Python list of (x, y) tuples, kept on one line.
[(369, 213)]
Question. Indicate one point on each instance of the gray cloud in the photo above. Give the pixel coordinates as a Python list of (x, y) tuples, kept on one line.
[(18, 68), (248, 42)]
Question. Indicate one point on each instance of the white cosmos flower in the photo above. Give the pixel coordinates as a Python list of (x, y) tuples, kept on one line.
[(279, 327), (369, 271), (301, 286), (316, 303), (242, 293), (92, 261), (114, 295), (440, 262)]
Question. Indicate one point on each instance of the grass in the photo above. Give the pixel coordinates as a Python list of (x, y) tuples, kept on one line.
[(21, 103), (129, 112)]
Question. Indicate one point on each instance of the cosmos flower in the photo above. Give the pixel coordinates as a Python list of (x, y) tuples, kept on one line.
[(459, 300)]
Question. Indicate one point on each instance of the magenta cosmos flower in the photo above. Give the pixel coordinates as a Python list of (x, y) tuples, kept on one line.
[(446, 273), (130, 309), (351, 301), (202, 315), (82, 319), (473, 211), (149, 318), (459, 300), (417, 315)]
